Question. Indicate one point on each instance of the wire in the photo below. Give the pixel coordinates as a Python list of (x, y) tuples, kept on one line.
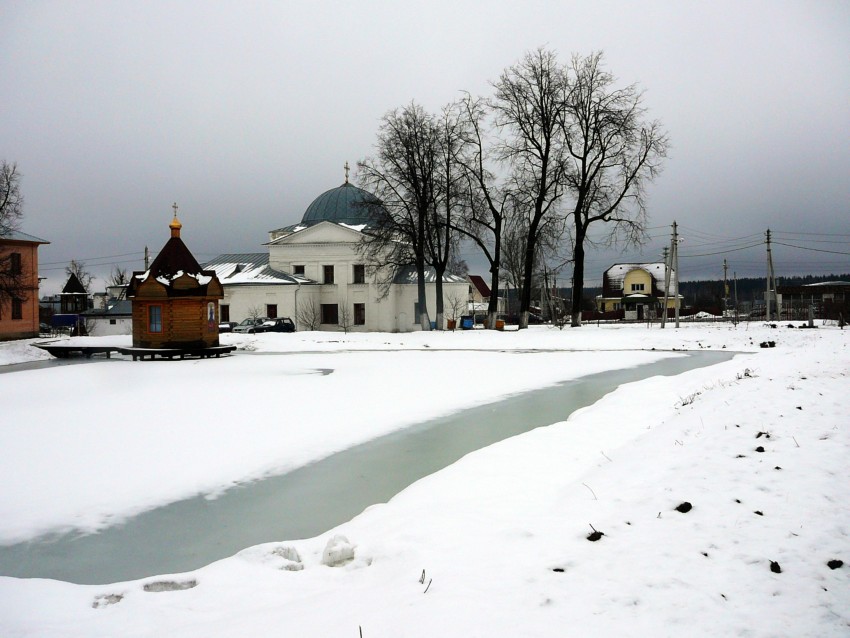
[(54, 263), (723, 252), (816, 250)]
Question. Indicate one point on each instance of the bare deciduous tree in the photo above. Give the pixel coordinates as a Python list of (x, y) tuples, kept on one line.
[(118, 277), (440, 237), (529, 106), (402, 177), (255, 312), (612, 152), (486, 202), (345, 319), (456, 304), (309, 315), (11, 200), (14, 282)]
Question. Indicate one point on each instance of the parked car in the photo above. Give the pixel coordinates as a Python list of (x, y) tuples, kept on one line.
[(250, 325), (281, 324), (226, 326)]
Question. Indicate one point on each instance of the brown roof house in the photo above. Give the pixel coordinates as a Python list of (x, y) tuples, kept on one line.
[(175, 302)]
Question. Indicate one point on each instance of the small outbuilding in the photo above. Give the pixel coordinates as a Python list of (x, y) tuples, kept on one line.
[(175, 301)]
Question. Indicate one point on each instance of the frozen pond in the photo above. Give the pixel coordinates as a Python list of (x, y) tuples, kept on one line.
[(308, 501)]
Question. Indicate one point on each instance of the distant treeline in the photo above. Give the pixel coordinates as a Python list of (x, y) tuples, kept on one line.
[(708, 292), (748, 288)]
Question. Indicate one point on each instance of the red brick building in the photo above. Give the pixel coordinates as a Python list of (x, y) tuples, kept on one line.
[(19, 285)]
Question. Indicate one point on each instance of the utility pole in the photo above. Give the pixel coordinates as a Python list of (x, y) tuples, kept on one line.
[(725, 289), (666, 285), (770, 293), (147, 259), (675, 260)]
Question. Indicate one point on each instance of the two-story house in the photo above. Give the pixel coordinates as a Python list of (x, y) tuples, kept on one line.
[(19, 285), (636, 290)]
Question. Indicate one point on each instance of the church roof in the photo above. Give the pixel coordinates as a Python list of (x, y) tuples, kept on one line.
[(345, 205), (173, 261), (250, 268), (173, 258)]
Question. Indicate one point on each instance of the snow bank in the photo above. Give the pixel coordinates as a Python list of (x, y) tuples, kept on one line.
[(497, 544)]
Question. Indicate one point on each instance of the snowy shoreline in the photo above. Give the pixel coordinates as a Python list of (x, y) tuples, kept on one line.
[(501, 534)]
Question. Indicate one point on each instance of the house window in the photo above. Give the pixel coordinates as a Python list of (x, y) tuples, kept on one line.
[(328, 274), (154, 318), (637, 287), (17, 309), (330, 313), (15, 264), (271, 310), (224, 309), (359, 274), (112, 322), (298, 270), (360, 314)]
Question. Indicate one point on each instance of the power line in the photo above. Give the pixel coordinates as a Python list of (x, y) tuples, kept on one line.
[(816, 250), (723, 252), (53, 263)]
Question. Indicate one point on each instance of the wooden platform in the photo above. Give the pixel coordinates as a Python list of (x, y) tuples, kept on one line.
[(63, 351), (180, 353)]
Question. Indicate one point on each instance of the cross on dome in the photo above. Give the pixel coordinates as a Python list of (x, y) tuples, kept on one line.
[(175, 224)]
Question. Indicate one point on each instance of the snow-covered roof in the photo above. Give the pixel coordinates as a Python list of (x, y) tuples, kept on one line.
[(16, 235), (617, 273), (250, 268), (408, 276), (829, 283)]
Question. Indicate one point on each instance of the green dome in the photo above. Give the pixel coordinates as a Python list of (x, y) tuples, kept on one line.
[(343, 205)]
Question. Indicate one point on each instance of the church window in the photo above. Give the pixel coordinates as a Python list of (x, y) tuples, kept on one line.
[(359, 274), (224, 309), (328, 274), (360, 314), (17, 309), (298, 269), (154, 318), (271, 310), (330, 313)]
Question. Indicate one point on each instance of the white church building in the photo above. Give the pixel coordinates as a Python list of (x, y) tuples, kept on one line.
[(314, 274)]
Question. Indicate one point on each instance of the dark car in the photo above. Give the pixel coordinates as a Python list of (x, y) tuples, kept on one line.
[(281, 324), (226, 326), (250, 325)]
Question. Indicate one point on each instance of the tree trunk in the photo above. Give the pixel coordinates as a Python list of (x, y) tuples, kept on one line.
[(578, 279), (527, 275), (440, 302), (424, 320), (493, 305)]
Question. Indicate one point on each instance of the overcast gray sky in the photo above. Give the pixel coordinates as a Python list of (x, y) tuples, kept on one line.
[(244, 112)]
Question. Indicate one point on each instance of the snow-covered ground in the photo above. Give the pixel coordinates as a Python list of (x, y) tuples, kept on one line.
[(758, 446)]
